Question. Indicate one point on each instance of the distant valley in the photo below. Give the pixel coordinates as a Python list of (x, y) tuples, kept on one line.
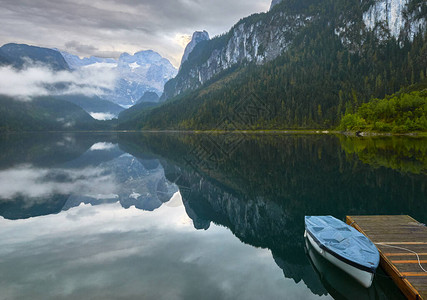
[(133, 79)]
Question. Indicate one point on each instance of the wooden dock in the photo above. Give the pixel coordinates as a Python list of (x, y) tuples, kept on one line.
[(395, 238)]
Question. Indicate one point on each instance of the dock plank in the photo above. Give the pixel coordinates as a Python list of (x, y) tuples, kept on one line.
[(395, 238), (403, 255)]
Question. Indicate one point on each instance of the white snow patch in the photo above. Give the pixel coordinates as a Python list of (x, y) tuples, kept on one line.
[(103, 196), (102, 65), (134, 65), (134, 196)]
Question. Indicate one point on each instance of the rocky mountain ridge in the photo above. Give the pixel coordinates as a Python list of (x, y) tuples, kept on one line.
[(274, 3), (198, 37), (263, 37), (76, 62), (396, 18), (144, 71), (18, 55)]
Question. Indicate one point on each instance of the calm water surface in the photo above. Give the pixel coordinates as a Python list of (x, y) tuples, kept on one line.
[(169, 216)]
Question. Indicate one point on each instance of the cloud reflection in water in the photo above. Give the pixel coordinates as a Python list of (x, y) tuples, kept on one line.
[(33, 183), (108, 251)]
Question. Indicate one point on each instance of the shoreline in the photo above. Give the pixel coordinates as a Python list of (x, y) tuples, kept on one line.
[(258, 131)]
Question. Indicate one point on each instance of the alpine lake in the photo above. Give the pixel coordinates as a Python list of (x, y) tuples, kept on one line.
[(193, 216)]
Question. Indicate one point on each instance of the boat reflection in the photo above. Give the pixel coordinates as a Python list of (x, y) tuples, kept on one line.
[(340, 285)]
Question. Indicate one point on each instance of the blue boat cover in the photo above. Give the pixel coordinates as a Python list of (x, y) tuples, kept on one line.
[(343, 241)]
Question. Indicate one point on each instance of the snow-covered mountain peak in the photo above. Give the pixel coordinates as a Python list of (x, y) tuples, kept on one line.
[(145, 71), (142, 58)]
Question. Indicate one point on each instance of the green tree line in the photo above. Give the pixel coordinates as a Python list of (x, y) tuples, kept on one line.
[(399, 113)]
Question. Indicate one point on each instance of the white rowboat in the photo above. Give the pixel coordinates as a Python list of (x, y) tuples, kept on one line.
[(344, 247)]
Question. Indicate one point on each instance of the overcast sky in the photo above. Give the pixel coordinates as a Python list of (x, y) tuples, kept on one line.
[(109, 27)]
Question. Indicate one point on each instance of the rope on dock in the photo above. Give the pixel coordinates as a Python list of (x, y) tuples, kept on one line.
[(401, 248)]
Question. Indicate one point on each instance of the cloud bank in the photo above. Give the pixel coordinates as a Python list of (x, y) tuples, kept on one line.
[(39, 80), (109, 27)]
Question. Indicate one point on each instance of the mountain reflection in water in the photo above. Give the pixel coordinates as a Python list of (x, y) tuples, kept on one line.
[(148, 192)]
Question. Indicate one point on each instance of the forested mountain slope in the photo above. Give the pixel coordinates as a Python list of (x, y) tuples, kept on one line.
[(304, 62), (45, 114)]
